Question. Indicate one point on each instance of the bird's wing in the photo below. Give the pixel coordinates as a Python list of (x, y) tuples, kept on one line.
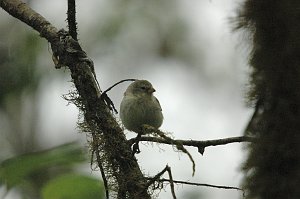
[(158, 103)]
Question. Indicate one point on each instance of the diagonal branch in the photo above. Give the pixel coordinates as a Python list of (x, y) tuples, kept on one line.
[(201, 145), (171, 182), (123, 167)]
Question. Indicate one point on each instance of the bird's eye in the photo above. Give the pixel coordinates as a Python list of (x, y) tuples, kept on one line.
[(143, 87)]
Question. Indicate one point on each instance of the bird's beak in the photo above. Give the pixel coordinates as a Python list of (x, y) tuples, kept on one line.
[(151, 90)]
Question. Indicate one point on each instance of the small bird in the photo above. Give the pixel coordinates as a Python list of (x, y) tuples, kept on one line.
[(139, 107)]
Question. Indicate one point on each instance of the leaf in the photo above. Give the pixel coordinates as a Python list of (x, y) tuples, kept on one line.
[(73, 186), (15, 170)]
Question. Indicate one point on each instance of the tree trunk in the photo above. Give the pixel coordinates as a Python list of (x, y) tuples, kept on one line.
[(273, 166)]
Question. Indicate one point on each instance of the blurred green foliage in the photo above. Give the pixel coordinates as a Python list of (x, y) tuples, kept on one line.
[(14, 171), (20, 76), (73, 186), (50, 173)]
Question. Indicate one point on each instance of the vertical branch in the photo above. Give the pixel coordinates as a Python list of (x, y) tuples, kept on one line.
[(96, 151), (72, 25), (71, 19)]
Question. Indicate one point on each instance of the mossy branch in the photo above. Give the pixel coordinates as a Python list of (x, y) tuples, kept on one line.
[(106, 133)]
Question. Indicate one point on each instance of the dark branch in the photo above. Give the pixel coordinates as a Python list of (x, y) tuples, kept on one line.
[(107, 100), (96, 151), (119, 82), (171, 182), (201, 145), (72, 24)]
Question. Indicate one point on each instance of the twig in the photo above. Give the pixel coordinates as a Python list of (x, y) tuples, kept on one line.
[(201, 145), (200, 184), (107, 100), (135, 146), (149, 129), (171, 181), (119, 82), (157, 178)]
